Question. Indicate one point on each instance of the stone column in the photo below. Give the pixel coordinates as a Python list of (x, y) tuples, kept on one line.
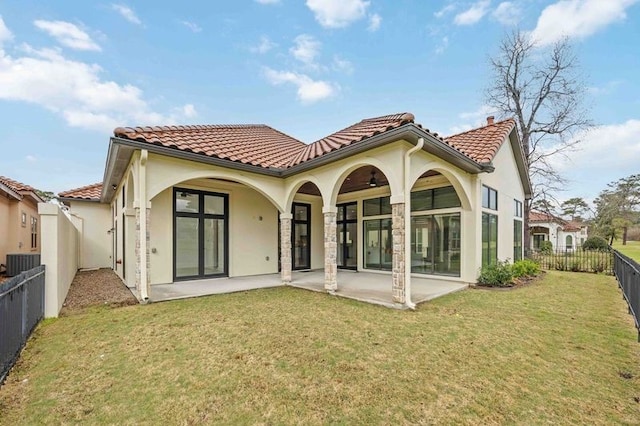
[(398, 260), (285, 247), (143, 258), (330, 249)]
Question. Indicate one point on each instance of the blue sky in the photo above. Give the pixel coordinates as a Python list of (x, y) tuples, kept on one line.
[(71, 71)]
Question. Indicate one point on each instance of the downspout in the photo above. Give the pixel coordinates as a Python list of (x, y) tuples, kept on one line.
[(407, 221), (142, 193)]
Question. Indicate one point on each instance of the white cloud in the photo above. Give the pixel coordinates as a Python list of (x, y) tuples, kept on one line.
[(605, 148), (309, 90), (577, 18), (342, 65), (5, 34), (507, 13), (444, 43), (268, 1), (264, 46), (189, 111), (473, 14), (68, 34), (605, 89), (306, 49), (445, 10), (338, 13), (374, 22), (192, 26), (127, 13), (473, 119), (31, 158), (75, 90)]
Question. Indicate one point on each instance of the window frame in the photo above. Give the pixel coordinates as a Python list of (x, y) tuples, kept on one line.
[(489, 191), (34, 233)]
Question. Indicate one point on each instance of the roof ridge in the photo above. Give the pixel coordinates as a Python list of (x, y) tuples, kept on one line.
[(180, 127), (481, 127), (15, 185)]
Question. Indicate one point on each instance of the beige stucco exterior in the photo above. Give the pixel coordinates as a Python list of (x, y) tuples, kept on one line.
[(16, 234), (144, 199)]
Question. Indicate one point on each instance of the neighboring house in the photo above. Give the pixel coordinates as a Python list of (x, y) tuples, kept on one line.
[(19, 219), (183, 203), (561, 233)]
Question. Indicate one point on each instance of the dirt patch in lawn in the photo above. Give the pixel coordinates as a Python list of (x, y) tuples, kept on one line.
[(97, 287)]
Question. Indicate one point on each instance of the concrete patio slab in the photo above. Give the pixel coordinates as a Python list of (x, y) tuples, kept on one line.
[(206, 287), (363, 286)]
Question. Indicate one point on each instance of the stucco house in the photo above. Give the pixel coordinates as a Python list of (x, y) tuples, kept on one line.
[(19, 219), (563, 234), (385, 195)]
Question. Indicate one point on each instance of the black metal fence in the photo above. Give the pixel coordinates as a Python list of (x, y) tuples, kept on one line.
[(627, 273), (21, 308), (575, 260)]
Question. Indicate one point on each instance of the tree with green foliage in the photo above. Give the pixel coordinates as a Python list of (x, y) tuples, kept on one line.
[(46, 195), (575, 208), (618, 208)]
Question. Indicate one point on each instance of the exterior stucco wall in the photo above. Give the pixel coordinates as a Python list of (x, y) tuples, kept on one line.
[(557, 236), (59, 254), (95, 240), (5, 228), (16, 238), (505, 180), (253, 231)]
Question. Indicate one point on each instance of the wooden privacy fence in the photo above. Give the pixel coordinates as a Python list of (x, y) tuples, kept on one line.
[(21, 308), (627, 272)]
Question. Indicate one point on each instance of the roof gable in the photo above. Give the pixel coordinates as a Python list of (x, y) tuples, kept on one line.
[(482, 144), (20, 189)]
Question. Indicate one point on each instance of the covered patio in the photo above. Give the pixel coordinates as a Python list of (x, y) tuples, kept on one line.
[(366, 287)]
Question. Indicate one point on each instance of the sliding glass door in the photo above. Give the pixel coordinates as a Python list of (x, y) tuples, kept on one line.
[(347, 222), (201, 229), (301, 236), (378, 244)]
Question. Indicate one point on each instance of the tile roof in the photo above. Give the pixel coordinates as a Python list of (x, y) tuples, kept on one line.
[(573, 226), (482, 144), (89, 192), (16, 186), (259, 145), (350, 135), (263, 146), (535, 216)]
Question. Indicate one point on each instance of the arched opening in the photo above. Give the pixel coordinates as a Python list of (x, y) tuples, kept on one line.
[(209, 227), (364, 220), (569, 242), (436, 226), (307, 227)]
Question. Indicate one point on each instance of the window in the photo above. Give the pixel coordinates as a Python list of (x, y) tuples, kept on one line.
[(23, 220), (438, 198), (489, 198), (376, 206), (489, 239), (517, 208), (34, 232), (435, 244), (517, 240)]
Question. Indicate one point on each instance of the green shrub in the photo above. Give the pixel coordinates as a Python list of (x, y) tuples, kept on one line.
[(595, 243), (525, 268), (498, 275), (546, 247)]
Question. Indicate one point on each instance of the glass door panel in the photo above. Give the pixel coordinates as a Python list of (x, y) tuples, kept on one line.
[(301, 258), (186, 247), (372, 244), (350, 245), (387, 244), (213, 246)]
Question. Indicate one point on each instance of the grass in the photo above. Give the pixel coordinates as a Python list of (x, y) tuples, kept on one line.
[(563, 350), (632, 249)]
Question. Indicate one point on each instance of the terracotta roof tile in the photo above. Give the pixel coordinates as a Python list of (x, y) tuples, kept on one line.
[(16, 186), (258, 145), (350, 135), (89, 192), (482, 144), (535, 216)]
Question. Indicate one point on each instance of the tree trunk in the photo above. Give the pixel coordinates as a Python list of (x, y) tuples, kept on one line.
[(624, 235), (527, 234)]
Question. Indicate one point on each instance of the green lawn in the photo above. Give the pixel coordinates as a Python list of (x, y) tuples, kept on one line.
[(563, 351), (632, 249)]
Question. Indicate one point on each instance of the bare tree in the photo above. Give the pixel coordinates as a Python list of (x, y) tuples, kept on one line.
[(542, 89)]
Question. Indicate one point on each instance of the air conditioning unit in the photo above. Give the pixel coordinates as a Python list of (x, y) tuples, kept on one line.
[(21, 262)]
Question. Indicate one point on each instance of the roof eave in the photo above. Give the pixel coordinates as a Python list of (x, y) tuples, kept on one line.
[(10, 192), (409, 132), (518, 154), (72, 199)]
